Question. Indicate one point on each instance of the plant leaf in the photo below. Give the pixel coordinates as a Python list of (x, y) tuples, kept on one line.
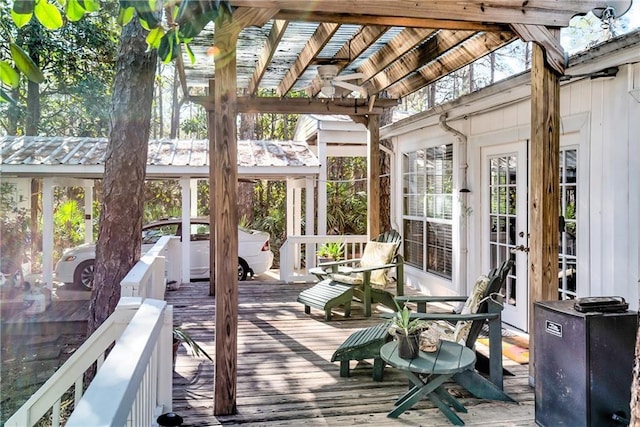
[(90, 5), (25, 64), (8, 75), (192, 57), (125, 15), (75, 11), (21, 19), (5, 97), (48, 15), (23, 7), (154, 37)]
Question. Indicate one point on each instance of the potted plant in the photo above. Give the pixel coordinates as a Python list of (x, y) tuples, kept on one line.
[(407, 332), (330, 251), (181, 336)]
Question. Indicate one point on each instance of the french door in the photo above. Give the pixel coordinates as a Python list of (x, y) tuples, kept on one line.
[(505, 224)]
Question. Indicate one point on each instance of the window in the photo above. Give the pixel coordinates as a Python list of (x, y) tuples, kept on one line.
[(568, 225), (427, 208)]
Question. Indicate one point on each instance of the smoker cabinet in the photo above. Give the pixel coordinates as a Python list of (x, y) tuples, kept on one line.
[(583, 365)]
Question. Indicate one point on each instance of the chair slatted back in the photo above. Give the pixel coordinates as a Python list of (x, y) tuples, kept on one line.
[(497, 278), (390, 236)]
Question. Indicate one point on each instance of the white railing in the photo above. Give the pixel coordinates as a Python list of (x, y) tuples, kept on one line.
[(133, 385), (160, 265), (142, 335), (299, 251)]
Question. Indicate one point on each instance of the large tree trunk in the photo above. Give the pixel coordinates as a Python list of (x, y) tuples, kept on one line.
[(119, 236), (385, 180)]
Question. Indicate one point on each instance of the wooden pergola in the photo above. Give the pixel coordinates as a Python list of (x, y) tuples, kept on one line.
[(399, 46)]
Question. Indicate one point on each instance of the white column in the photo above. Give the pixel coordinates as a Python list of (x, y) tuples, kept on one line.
[(194, 197), (88, 210), (47, 232), (289, 213), (310, 255), (322, 186), (186, 229)]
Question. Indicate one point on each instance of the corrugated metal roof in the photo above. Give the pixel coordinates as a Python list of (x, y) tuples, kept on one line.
[(37, 152)]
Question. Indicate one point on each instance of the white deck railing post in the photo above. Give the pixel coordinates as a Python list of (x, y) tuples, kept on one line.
[(165, 363)]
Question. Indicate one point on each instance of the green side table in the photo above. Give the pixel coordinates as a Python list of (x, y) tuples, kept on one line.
[(427, 373)]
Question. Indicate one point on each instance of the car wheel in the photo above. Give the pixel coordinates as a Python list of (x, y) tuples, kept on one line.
[(243, 270), (83, 276)]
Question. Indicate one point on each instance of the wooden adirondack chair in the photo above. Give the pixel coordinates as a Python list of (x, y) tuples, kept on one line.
[(489, 311), (366, 343), (368, 274)]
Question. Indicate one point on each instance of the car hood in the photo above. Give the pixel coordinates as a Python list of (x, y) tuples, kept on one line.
[(84, 248)]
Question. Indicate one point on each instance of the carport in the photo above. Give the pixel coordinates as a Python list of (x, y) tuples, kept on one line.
[(77, 162)]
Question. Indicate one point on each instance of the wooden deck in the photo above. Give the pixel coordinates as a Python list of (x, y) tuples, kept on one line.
[(285, 376)]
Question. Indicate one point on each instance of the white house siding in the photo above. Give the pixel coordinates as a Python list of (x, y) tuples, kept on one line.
[(599, 118)]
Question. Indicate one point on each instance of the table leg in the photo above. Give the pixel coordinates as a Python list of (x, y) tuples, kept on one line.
[(416, 393), (452, 401), (435, 397)]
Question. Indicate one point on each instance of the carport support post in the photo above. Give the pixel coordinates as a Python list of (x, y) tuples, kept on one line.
[(47, 232), (543, 187), (373, 166), (185, 248)]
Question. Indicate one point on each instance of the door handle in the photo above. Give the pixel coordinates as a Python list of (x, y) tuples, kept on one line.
[(522, 248)]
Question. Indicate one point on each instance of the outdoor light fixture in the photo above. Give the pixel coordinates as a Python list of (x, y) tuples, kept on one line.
[(328, 90)]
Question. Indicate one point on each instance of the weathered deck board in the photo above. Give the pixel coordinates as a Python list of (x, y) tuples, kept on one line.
[(285, 376)]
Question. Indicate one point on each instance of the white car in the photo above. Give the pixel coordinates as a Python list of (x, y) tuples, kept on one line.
[(254, 254)]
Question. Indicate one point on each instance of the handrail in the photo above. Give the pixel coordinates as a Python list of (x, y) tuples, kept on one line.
[(148, 278), (130, 375), (291, 253)]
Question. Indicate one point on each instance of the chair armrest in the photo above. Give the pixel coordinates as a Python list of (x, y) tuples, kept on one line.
[(377, 267), (450, 317), (338, 263), (422, 300)]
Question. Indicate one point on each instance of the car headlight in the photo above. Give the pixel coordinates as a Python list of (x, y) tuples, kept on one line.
[(69, 258)]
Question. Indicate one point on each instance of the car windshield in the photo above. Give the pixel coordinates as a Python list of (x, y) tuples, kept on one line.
[(152, 234)]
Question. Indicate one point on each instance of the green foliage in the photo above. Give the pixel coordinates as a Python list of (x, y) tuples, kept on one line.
[(333, 250), (402, 320), (68, 221), (183, 336), (162, 199), (77, 63)]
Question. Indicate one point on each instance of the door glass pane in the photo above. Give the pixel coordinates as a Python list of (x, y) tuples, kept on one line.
[(567, 239), (502, 217)]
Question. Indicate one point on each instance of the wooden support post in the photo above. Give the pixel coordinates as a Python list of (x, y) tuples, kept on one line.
[(544, 186), (373, 166), (211, 126), (223, 174)]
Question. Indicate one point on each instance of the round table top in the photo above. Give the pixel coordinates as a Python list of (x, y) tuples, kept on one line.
[(450, 358)]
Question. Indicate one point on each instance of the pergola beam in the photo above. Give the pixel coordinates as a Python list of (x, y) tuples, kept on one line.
[(346, 106), (269, 48), (551, 13), (390, 21)]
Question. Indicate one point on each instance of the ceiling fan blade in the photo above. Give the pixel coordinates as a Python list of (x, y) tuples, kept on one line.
[(351, 87), (352, 76)]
